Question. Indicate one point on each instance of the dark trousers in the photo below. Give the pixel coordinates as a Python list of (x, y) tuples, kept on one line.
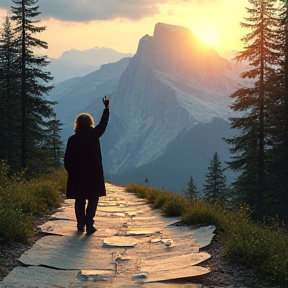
[(85, 217)]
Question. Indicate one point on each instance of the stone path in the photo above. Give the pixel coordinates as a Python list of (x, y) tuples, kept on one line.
[(134, 246)]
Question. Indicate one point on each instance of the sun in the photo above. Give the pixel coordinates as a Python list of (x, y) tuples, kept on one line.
[(208, 37), (209, 34)]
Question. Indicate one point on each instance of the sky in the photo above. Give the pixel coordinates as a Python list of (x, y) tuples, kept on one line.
[(120, 24)]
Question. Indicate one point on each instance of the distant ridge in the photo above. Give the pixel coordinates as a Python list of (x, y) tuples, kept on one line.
[(96, 56), (76, 63)]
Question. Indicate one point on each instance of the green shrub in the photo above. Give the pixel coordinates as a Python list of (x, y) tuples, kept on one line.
[(171, 204), (33, 197), (21, 199), (175, 205), (137, 189), (49, 194), (59, 177), (152, 195), (263, 248), (161, 199), (199, 212), (14, 224)]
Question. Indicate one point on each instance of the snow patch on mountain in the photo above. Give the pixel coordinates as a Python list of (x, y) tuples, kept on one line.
[(202, 103)]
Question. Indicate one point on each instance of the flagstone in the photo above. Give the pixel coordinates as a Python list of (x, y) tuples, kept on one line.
[(40, 277), (79, 252), (204, 235), (170, 263), (142, 231), (174, 274), (120, 241)]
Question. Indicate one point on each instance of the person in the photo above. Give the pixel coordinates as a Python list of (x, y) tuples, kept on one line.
[(83, 162)]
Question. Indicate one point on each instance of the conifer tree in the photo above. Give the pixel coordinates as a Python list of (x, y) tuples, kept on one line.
[(191, 191), (54, 143), (251, 144), (215, 182), (284, 96), (9, 94), (35, 109), (277, 197)]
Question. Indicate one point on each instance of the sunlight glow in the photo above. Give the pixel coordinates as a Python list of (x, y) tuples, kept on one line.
[(208, 34), (215, 23)]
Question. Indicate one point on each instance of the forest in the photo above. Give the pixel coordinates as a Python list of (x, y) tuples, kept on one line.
[(29, 129)]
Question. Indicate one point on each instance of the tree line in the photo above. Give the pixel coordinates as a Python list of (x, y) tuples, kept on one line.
[(259, 149), (29, 131)]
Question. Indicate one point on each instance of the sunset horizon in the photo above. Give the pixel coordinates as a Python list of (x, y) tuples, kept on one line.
[(211, 22)]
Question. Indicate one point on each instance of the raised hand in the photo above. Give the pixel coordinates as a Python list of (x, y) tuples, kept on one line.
[(106, 101)]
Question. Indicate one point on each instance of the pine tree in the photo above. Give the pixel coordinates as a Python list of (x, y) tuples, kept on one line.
[(191, 191), (251, 144), (54, 143), (35, 109), (215, 182), (277, 197), (9, 104), (284, 97)]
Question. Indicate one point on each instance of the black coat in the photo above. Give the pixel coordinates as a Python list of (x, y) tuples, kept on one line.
[(83, 162)]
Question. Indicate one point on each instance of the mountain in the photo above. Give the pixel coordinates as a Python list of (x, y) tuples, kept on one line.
[(172, 84), (188, 155), (77, 95), (75, 63), (169, 111)]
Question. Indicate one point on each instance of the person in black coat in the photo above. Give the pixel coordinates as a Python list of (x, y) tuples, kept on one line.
[(83, 162)]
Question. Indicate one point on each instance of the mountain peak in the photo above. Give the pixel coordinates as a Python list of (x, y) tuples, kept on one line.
[(170, 33), (175, 50), (162, 27)]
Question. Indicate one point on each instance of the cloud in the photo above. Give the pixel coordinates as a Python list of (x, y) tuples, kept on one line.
[(89, 10)]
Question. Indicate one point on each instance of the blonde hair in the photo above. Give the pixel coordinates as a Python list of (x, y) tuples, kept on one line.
[(83, 122)]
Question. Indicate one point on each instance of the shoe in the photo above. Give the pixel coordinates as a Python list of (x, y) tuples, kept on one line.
[(80, 229), (90, 230)]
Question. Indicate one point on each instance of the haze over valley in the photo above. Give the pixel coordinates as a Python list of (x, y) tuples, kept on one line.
[(76, 63)]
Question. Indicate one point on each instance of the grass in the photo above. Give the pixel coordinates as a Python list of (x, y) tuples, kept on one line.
[(22, 200), (264, 248)]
